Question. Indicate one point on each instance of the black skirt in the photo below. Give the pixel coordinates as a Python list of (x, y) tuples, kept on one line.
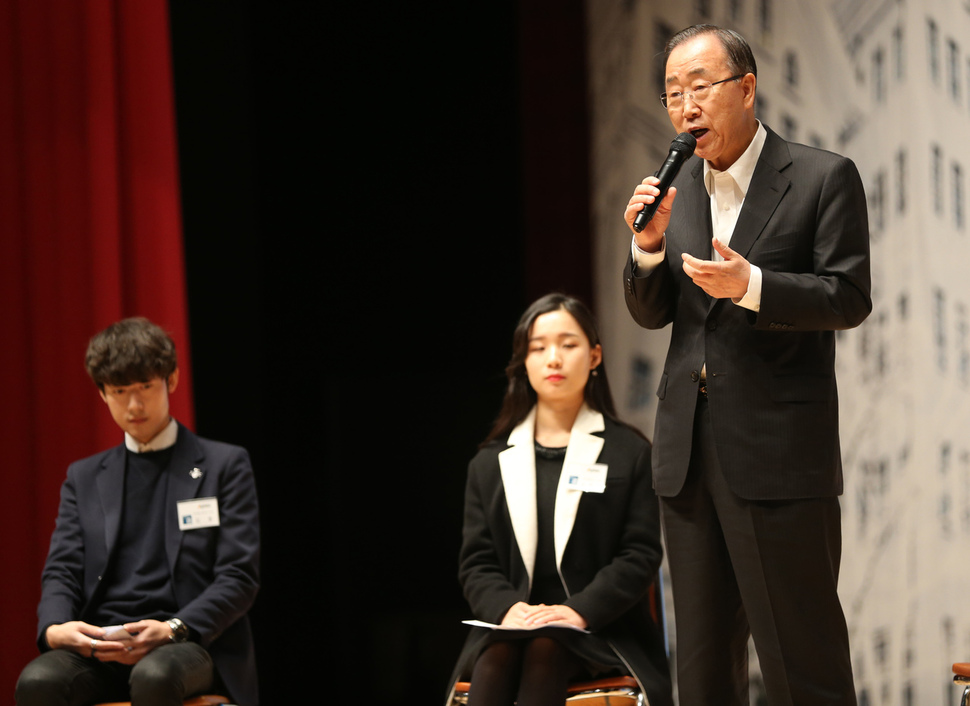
[(597, 656)]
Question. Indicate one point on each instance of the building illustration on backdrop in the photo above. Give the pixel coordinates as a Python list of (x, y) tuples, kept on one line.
[(886, 83)]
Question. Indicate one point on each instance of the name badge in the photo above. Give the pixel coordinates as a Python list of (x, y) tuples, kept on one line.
[(198, 513), (589, 479)]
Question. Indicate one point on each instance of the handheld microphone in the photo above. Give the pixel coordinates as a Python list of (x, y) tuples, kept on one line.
[(681, 150)]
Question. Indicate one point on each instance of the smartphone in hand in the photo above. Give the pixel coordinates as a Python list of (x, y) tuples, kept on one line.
[(116, 633)]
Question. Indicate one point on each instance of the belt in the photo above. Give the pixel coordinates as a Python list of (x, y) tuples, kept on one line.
[(702, 388)]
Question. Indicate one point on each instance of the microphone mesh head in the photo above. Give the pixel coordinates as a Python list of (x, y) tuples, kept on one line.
[(684, 142)]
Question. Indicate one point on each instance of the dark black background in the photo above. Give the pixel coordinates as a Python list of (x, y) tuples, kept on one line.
[(365, 207)]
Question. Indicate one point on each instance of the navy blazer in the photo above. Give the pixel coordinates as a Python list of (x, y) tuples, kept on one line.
[(770, 375), (214, 571)]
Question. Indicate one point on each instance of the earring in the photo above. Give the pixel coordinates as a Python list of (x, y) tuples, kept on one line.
[(595, 372)]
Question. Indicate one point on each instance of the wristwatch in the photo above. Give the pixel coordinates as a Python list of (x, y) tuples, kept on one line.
[(180, 631)]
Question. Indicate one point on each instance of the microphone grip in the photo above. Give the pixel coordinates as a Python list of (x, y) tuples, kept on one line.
[(646, 213), (666, 174)]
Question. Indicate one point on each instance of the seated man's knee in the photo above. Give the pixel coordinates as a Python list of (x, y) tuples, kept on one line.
[(169, 674), (46, 681), (37, 689)]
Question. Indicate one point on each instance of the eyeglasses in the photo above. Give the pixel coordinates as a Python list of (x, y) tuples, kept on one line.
[(698, 94)]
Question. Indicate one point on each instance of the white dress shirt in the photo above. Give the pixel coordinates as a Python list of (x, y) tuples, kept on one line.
[(162, 440)]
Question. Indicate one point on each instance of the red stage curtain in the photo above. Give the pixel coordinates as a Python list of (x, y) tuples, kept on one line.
[(90, 232)]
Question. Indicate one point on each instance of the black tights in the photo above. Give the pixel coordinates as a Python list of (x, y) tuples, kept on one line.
[(532, 672)]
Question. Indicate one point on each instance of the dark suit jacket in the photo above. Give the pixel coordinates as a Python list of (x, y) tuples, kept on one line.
[(607, 544), (771, 376), (214, 571)]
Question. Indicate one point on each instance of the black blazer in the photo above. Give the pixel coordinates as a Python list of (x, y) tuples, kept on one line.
[(770, 375), (214, 571), (607, 544)]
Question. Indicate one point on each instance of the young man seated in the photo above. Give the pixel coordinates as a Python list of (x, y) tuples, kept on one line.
[(154, 561)]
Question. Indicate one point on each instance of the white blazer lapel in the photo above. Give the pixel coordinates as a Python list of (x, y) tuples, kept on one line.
[(583, 450), (518, 466)]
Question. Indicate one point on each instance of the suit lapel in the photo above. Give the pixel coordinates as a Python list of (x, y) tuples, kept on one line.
[(697, 215), (699, 229), (186, 472), (583, 450), (768, 186), (111, 489), (518, 467)]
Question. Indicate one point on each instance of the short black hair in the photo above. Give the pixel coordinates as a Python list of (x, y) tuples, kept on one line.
[(740, 57), (129, 351)]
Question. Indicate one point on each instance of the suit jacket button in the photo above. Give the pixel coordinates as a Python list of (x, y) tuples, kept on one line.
[(694, 376), (712, 325)]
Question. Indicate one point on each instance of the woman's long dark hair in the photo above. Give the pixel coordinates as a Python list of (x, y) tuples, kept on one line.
[(520, 398)]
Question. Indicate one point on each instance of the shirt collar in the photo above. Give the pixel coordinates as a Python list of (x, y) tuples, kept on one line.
[(743, 168), (162, 440)]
